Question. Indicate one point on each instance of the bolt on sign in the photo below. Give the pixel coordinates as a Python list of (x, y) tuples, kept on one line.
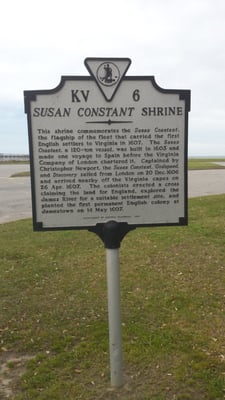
[(108, 147)]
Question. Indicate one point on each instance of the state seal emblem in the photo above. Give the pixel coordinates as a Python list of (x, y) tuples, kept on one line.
[(108, 74)]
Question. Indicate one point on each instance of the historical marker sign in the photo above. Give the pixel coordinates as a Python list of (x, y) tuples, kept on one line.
[(108, 147)]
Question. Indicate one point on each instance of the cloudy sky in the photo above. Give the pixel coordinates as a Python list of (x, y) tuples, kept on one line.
[(180, 42)]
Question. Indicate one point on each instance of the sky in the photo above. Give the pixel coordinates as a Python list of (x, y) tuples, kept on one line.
[(181, 43)]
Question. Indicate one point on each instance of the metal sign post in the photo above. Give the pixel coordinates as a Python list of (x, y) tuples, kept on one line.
[(115, 336), (108, 153), (112, 235)]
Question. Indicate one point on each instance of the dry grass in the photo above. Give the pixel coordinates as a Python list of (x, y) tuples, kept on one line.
[(54, 308)]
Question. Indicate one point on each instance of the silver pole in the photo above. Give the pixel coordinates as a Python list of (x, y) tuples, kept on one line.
[(115, 337)]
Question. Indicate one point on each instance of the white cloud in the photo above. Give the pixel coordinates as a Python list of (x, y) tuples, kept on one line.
[(181, 43)]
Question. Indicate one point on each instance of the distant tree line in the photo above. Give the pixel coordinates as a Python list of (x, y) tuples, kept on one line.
[(14, 157)]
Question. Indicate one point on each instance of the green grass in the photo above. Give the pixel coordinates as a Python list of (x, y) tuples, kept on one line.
[(53, 302), (15, 162), (205, 163), (21, 174)]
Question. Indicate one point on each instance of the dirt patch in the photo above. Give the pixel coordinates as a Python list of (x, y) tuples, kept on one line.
[(12, 367)]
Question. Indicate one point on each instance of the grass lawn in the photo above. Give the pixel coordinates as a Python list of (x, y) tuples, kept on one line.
[(205, 163), (53, 302)]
